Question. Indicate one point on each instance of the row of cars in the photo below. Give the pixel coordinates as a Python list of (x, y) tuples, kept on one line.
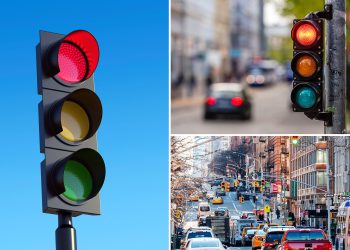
[(275, 237)]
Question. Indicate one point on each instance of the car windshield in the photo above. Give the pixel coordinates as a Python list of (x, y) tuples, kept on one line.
[(271, 237), (205, 208), (207, 243), (199, 234), (260, 233), (251, 231), (305, 235), (225, 93)]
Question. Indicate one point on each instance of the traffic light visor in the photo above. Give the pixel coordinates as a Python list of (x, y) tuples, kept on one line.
[(79, 177), (305, 33), (77, 57), (76, 117)]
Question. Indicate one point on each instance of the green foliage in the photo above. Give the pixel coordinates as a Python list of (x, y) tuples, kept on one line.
[(300, 8)]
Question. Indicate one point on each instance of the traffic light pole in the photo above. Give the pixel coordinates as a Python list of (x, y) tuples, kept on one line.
[(335, 70), (65, 233)]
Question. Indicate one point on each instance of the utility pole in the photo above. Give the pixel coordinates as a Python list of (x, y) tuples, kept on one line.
[(328, 195), (335, 68)]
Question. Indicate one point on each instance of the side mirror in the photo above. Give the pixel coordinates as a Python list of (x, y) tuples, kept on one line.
[(224, 246)]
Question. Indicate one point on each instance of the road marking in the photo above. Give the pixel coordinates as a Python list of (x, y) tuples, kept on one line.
[(233, 203)]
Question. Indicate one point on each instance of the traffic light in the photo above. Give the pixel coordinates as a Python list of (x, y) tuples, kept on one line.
[(241, 199), (236, 183), (307, 66), (70, 113), (262, 182), (295, 140)]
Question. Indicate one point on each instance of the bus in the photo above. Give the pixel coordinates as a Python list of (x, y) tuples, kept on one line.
[(342, 240)]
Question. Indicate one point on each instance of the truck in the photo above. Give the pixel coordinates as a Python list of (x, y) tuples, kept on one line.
[(307, 239), (221, 227)]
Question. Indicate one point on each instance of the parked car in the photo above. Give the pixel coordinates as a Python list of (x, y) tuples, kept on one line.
[(200, 232), (227, 99)]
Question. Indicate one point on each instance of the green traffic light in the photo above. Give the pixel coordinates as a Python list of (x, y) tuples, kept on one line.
[(77, 181), (306, 97)]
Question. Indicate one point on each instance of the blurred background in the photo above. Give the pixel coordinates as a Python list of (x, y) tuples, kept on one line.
[(235, 41)]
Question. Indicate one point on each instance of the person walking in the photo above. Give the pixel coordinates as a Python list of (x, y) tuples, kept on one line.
[(278, 213)]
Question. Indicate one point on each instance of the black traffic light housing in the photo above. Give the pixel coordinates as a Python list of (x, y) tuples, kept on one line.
[(63, 98), (307, 65)]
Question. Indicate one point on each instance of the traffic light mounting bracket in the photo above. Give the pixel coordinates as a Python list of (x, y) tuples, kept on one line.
[(327, 13), (327, 117)]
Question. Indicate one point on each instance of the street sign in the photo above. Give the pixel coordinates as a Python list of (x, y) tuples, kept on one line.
[(267, 209)]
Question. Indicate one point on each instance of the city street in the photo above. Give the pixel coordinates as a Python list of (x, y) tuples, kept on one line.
[(271, 114)]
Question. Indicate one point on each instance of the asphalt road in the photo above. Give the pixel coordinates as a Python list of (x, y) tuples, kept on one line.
[(272, 114)]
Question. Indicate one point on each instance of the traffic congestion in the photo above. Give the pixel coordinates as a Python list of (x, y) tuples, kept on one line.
[(235, 217)]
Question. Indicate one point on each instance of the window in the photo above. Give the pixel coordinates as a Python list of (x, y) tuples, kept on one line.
[(209, 243), (321, 179), (321, 156)]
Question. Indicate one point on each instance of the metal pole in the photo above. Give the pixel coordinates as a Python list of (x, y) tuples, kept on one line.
[(335, 70), (328, 197), (65, 233)]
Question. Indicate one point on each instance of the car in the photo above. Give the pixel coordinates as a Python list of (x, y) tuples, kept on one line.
[(258, 238), (261, 226), (305, 239), (218, 200), (194, 198), (222, 211), (204, 244), (220, 193), (248, 237), (193, 232), (273, 238), (202, 221), (248, 215), (227, 99), (204, 209)]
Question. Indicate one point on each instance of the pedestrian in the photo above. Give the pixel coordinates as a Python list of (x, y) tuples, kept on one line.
[(278, 213)]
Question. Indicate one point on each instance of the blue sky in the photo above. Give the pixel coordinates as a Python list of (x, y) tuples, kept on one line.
[(132, 83)]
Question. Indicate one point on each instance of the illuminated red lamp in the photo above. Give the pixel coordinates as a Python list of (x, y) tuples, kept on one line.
[(75, 57), (211, 101), (306, 33), (237, 101)]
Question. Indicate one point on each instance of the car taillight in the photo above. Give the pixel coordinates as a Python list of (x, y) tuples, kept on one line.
[(236, 101), (211, 101), (267, 244), (285, 246)]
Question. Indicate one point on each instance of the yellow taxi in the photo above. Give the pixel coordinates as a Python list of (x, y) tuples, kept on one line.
[(194, 198), (218, 200), (244, 232), (258, 239)]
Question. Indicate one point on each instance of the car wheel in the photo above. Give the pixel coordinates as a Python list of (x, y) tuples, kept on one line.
[(208, 116), (247, 115)]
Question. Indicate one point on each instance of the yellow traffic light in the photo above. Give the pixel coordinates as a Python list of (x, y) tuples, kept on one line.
[(241, 199)]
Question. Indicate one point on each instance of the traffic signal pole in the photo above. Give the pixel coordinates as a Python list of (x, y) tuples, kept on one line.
[(65, 233), (335, 70)]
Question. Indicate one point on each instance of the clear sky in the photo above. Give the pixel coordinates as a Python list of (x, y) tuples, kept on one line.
[(132, 83)]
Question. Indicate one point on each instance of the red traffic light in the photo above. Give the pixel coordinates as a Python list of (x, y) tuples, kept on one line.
[(75, 58), (305, 33)]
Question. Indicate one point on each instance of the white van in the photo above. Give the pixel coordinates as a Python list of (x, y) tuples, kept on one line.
[(203, 209)]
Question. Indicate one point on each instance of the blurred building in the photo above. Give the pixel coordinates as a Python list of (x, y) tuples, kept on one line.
[(308, 173), (247, 34), (341, 169), (200, 44)]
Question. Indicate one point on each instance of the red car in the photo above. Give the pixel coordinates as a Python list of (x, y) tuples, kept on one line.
[(306, 239)]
